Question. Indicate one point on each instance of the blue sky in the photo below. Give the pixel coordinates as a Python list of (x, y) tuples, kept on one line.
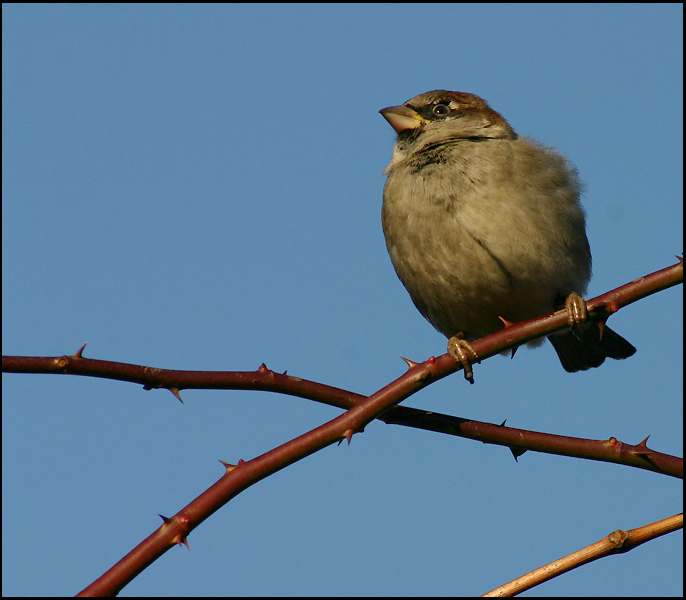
[(199, 187)]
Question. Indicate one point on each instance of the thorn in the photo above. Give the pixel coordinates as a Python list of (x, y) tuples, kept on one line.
[(285, 372), (263, 368), (506, 322), (410, 363), (679, 258), (645, 453), (514, 350), (175, 391), (503, 423), (601, 327), (180, 539), (516, 452), (79, 352), (229, 466), (348, 435)]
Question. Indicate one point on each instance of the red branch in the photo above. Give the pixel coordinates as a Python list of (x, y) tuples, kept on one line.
[(360, 411)]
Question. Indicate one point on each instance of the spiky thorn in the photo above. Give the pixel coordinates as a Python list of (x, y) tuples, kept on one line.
[(509, 324), (79, 352), (601, 329), (180, 540), (516, 452), (506, 322), (610, 307), (177, 539), (645, 453), (175, 391), (229, 466), (263, 368), (410, 363), (348, 435)]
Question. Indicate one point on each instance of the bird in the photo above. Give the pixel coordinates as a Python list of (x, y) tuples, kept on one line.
[(484, 227)]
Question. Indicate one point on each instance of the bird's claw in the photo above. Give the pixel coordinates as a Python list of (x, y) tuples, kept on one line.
[(460, 349), (577, 312)]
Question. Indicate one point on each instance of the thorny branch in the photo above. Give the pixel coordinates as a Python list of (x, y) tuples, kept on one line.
[(360, 411)]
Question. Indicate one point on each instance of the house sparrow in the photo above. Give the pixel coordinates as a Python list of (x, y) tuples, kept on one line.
[(482, 224)]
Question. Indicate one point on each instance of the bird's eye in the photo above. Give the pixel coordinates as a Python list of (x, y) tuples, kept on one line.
[(440, 110)]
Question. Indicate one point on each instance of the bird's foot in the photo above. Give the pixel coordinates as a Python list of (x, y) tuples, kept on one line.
[(577, 312), (460, 349)]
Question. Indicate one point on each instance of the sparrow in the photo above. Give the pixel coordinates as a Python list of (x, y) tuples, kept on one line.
[(482, 225)]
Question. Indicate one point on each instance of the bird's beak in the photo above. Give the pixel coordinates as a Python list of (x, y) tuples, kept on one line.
[(402, 118)]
